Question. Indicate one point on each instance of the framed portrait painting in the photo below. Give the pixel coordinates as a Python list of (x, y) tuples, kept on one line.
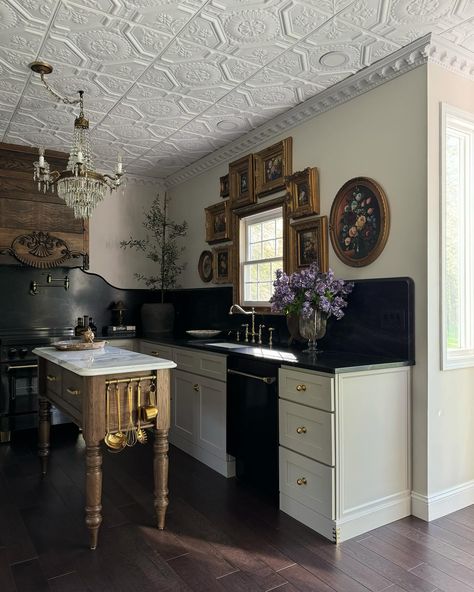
[(224, 186), (218, 226), (205, 267), (222, 272), (241, 182), (309, 243), (359, 222), (272, 165), (303, 189)]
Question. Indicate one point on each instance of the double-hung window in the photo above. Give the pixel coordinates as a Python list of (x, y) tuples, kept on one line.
[(261, 254), (457, 236)]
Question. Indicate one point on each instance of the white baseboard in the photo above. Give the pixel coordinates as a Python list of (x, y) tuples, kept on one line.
[(222, 466), (440, 504)]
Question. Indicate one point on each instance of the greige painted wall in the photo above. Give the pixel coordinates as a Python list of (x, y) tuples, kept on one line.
[(450, 392), (381, 134)]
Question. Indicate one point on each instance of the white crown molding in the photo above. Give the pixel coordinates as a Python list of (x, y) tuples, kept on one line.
[(401, 61), (157, 182), (452, 57)]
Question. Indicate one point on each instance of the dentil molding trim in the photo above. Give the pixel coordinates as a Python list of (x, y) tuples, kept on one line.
[(426, 49)]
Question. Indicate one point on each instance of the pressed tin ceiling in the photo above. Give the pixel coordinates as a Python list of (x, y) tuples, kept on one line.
[(169, 81)]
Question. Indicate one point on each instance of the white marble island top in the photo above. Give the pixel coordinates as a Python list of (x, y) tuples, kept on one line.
[(109, 360)]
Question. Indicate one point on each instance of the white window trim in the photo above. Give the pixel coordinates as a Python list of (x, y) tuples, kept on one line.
[(463, 358), (258, 217)]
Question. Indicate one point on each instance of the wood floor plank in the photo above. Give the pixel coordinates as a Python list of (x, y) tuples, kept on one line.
[(440, 579), (14, 535), (303, 580), (29, 577), (452, 538), (70, 582), (398, 556), (459, 528), (195, 575), (7, 583)]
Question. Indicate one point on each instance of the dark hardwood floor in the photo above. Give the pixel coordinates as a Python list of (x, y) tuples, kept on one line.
[(220, 535)]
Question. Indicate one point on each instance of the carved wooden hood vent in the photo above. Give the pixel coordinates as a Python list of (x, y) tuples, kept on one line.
[(36, 229)]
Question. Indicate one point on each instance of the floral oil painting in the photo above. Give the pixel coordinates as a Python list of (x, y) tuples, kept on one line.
[(359, 222)]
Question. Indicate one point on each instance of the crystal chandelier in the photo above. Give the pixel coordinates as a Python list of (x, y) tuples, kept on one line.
[(80, 185)]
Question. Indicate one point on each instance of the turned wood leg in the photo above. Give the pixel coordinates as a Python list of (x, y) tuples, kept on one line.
[(93, 492), (44, 427), (160, 468)]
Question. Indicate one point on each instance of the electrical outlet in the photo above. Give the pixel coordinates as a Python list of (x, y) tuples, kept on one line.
[(392, 319)]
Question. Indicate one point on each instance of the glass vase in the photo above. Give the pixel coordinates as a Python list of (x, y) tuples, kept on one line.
[(312, 329)]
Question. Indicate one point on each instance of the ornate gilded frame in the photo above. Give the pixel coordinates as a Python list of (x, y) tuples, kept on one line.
[(221, 274), (224, 187), (359, 222), (303, 190), (272, 165), (309, 243), (218, 225), (241, 182)]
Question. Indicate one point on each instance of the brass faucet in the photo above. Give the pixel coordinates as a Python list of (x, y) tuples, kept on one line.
[(235, 308)]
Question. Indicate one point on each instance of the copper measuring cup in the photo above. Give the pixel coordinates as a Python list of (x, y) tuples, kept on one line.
[(149, 412)]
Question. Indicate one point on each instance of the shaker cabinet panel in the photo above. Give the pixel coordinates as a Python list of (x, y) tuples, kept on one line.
[(211, 425), (184, 405), (307, 388)]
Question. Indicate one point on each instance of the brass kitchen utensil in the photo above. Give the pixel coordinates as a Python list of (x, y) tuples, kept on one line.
[(113, 441), (131, 433), (141, 434), (150, 411), (119, 433)]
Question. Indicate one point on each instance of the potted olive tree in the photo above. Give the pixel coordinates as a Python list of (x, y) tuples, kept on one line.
[(161, 246)]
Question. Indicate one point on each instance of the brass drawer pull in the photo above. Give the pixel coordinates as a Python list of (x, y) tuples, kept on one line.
[(196, 387), (301, 430), (154, 353), (51, 378), (301, 387), (73, 391), (301, 481)]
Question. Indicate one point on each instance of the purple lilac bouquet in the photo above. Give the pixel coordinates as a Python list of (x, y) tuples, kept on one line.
[(308, 290)]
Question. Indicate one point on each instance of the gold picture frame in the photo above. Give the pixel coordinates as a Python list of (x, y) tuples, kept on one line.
[(360, 222), (309, 244), (224, 188), (218, 227), (272, 165), (241, 182), (303, 189), (222, 261)]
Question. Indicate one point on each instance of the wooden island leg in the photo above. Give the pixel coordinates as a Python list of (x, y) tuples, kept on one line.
[(160, 468), (93, 491), (44, 427)]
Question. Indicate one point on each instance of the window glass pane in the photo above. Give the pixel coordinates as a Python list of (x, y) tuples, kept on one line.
[(255, 251), (255, 233), (279, 248), (268, 249), (276, 265), (265, 291), (253, 292), (264, 272), (279, 226), (268, 229)]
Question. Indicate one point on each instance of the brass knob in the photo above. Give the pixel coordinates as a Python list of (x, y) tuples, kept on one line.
[(301, 481), (196, 387), (301, 387), (73, 391), (301, 430), (51, 378), (154, 353)]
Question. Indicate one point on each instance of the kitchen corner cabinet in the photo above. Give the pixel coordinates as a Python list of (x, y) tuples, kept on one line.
[(344, 451), (198, 404)]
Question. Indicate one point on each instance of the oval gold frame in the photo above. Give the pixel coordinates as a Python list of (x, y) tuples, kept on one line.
[(202, 275), (334, 223)]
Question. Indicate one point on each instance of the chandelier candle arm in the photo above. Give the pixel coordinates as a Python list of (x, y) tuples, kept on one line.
[(80, 185)]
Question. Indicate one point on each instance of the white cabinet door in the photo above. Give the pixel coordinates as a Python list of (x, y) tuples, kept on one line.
[(211, 416), (130, 344), (184, 403), (156, 349)]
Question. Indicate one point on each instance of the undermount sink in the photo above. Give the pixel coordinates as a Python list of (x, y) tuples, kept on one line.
[(227, 345)]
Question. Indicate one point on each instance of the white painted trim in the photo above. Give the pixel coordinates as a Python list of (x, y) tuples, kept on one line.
[(224, 467), (452, 57), (401, 61), (450, 500)]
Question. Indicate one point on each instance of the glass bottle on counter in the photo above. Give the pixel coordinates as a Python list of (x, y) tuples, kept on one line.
[(86, 322), (79, 328), (92, 327)]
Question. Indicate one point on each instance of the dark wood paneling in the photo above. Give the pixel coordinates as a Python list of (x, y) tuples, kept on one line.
[(24, 209)]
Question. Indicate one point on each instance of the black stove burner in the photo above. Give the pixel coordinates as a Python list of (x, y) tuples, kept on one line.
[(18, 344)]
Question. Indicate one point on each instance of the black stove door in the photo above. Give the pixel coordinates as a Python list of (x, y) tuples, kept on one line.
[(19, 388)]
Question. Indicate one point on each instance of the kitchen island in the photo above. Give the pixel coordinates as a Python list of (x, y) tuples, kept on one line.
[(107, 391)]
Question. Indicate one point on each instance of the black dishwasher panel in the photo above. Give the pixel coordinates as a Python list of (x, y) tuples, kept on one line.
[(252, 421)]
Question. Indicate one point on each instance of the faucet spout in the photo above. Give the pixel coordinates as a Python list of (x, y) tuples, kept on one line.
[(236, 308)]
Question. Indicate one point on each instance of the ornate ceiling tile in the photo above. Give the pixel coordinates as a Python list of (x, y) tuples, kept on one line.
[(198, 74), (335, 58), (193, 106), (420, 12), (21, 39), (237, 70), (124, 110), (300, 20), (8, 99), (294, 62), (168, 18), (180, 50), (147, 41), (158, 78), (205, 32), (261, 55), (274, 96), (334, 31), (60, 51), (365, 13), (210, 95), (268, 76), (112, 86), (252, 26)]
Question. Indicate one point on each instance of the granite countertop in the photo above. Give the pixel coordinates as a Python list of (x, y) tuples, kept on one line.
[(328, 361), (96, 362)]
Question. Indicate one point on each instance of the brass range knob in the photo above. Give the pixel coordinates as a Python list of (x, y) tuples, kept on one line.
[(301, 481), (301, 387), (196, 387), (51, 378), (301, 430)]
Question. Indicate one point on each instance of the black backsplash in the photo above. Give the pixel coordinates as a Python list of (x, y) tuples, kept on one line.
[(379, 317)]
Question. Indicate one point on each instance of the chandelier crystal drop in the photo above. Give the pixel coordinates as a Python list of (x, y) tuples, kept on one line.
[(80, 185)]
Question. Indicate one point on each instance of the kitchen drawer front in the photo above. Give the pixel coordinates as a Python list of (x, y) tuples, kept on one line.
[(73, 388), (156, 349), (307, 431), (308, 482), (307, 388), (53, 378), (203, 363)]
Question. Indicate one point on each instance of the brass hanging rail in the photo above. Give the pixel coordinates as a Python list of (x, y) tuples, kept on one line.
[(134, 379)]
